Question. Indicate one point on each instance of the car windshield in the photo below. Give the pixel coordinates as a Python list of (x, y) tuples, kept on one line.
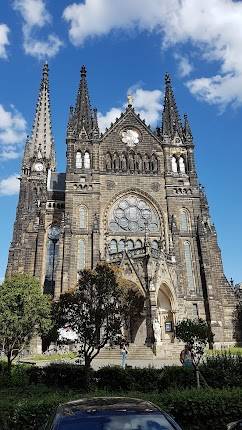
[(117, 422)]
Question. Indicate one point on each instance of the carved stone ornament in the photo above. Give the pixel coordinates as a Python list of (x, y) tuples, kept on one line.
[(155, 186), (130, 137), (110, 185)]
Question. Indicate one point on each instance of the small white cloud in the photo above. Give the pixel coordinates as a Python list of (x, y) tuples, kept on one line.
[(146, 103), (4, 41), (12, 133), (9, 186), (184, 66), (35, 15)]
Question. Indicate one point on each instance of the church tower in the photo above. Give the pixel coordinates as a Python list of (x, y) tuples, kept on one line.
[(25, 254), (82, 187)]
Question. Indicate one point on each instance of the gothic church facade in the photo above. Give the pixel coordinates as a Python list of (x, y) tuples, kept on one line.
[(129, 196)]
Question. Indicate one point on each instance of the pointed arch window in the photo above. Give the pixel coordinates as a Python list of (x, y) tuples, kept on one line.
[(184, 220), (83, 217), (121, 245), (81, 255), (189, 266), (78, 160), (87, 161), (108, 162), (138, 244), (182, 166), (113, 248), (52, 252), (130, 244), (174, 166)]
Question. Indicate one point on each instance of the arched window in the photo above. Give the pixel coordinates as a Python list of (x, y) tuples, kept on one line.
[(154, 163), (138, 244), (154, 244), (52, 252), (108, 162), (189, 268), (113, 246), (81, 255), (130, 244), (174, 167), (139, 163), (182, 166), (115, 162), (87, 162), (78, 160), (123, 163), (184, 220), (131, 162), (83, 217), (121, 245), (146, 163)]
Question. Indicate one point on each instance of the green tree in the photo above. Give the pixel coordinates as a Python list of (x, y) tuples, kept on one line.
[(195, 333), (95, 310), (24, 313)]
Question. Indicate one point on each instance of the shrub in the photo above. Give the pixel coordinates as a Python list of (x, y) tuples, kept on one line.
[(114, 378), (223, 370), (63, 375), (176, 377)]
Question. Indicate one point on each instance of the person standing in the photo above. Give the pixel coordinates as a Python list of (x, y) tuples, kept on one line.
[(123, 354), (186, 356)]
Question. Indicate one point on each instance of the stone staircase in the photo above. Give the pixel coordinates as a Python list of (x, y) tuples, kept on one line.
[(140, 356)]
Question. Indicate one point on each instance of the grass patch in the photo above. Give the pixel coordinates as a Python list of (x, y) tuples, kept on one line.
[(50, 357), (233, 350)]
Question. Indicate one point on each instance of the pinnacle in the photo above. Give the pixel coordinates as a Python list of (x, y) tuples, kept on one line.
[(83, 71), (41, 140)]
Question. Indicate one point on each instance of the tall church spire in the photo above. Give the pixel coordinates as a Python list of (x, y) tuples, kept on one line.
[(171, 123), (82, 119), (41, 143)]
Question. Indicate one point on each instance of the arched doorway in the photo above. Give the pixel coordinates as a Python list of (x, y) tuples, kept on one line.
[(165, 313)]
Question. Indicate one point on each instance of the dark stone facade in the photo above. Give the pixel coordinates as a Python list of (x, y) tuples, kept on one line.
[(130, 196)]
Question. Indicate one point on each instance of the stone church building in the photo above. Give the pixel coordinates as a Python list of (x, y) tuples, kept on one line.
[(129, 196)]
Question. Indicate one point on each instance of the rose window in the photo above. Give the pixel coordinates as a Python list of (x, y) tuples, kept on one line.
[(133, 214)]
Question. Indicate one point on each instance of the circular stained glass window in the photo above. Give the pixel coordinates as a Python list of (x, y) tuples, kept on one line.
[(133, 214)]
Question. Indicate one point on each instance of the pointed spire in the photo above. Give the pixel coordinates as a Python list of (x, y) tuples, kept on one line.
[(171, 123), (187, 130), (41, 140), (82, 116)]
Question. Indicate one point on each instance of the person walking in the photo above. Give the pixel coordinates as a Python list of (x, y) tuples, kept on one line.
[(123, 354)]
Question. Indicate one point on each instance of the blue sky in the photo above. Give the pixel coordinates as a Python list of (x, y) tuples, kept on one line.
[(127, 46)]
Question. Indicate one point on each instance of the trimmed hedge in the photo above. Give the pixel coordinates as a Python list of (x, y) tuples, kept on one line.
[(204, 409), (63, 375)]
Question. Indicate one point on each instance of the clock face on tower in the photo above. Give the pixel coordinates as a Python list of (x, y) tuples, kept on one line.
[(38, 167), (130, 137)]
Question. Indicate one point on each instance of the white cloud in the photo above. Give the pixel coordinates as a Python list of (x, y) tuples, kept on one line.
[(146, 103), (184, 65), (12, 133), (211, 27), (4, 42), (36, 16), (9, 186)]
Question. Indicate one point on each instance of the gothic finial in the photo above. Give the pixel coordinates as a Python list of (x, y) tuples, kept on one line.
[(167, 79), (187, 129), (83, 71), (130, 100), (82, 116), (171, 123)]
